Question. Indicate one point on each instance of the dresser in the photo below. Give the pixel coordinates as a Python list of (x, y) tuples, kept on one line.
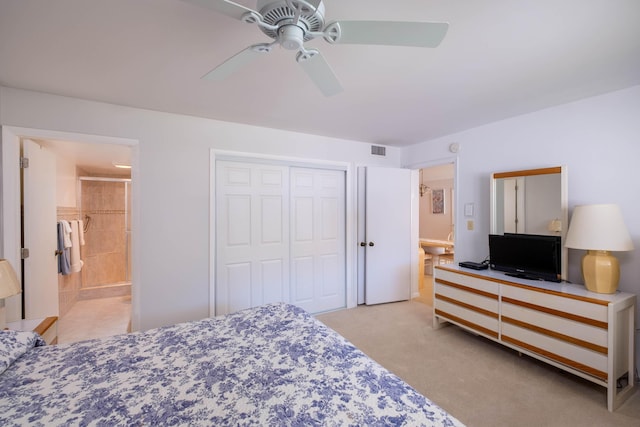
[(587, 334)]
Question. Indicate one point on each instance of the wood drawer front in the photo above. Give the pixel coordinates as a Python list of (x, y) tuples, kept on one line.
[(468, 281), (578, 357), (575, 307), (585, 335), (469, 318)]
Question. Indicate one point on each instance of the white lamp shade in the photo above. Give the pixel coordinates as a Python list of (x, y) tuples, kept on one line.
[(9, 283), (598, 227)]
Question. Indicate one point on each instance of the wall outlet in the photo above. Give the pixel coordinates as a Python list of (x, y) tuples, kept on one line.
[(470, 225)]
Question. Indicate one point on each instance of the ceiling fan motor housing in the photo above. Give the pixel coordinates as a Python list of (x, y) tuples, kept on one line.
[(290, 37), (278, 14)]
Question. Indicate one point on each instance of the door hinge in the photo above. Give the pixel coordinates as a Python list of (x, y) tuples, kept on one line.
[(24, 253), (24, 162)]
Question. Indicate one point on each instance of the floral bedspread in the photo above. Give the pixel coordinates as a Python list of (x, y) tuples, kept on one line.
[(274, 365)]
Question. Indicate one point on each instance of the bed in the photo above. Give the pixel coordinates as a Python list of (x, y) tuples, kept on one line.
[(270, 365)]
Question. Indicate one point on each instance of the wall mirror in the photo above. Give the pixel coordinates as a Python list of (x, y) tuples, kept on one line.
[(533, 201)]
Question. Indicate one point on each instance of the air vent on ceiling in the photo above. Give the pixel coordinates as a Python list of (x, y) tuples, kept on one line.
[(377, 150)]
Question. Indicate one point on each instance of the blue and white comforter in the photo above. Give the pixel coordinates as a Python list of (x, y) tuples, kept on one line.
[(274, 365)]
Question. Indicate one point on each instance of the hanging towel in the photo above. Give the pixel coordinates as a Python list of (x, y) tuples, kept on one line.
[(76, 262), (64, 266), (66, 228), (81, 231)]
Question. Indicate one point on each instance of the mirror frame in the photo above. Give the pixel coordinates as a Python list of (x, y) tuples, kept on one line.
[(564, 203)]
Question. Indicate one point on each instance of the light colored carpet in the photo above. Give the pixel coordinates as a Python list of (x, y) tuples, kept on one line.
[(476, 380)]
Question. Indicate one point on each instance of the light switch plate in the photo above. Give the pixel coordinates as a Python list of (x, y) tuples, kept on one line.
[(468, 209)]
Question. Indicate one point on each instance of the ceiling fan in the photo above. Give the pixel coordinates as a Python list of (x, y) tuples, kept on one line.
[(291, 23)]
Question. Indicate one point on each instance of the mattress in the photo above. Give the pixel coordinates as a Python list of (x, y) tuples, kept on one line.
[(271, 365)]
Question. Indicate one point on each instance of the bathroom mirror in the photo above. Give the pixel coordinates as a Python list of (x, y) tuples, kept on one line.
[(532, 201)]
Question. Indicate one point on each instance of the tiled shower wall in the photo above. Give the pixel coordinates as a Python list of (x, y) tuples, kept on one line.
[(105, 250)]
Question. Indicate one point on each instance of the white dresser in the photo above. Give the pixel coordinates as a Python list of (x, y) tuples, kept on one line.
[(585, 333)]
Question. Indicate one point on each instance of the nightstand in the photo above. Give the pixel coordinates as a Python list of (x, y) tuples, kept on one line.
[(47, 327)]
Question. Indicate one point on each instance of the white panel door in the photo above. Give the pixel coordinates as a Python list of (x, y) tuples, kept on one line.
[(40, 233), (318, 281), (11, 217), (388, 253), (252, 235)]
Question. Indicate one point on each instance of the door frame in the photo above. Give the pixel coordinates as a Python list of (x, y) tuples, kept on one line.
[(10, 198), (415, 207), (350, 211)]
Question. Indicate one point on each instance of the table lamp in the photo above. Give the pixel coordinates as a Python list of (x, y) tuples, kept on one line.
[(9, 286), (599, 229), (555, 226)]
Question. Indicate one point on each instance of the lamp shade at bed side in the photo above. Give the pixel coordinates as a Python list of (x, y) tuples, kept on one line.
[(599, 229)]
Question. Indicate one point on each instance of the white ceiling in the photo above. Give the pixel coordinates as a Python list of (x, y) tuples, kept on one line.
[(93, 159), (500, 58)]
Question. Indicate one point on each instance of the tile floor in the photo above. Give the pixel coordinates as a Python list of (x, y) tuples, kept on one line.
[(95, 318)]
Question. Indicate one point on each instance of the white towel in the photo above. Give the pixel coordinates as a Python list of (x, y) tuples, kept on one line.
[(76, 262), (81, 231), (66, 233)]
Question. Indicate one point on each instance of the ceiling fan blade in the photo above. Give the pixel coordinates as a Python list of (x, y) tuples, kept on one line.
[(237, 61), (229, 8), (313, 3), (317, 68), (416, 34)]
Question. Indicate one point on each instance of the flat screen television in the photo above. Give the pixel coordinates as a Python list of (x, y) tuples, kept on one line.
[(528, 256)]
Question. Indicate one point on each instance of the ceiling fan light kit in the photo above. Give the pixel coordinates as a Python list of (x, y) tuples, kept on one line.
[(291, 23)]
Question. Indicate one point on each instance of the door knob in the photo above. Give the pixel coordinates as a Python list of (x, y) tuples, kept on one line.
[(370, 243), (363, 244)]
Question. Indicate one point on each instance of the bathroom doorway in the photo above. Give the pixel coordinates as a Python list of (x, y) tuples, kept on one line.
[(75, 155), (93, 194)]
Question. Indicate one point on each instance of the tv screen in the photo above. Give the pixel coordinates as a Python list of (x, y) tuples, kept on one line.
[(529, 256)]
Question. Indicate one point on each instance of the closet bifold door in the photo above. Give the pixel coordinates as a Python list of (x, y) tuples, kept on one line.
[(280, 236), (317, 233), (252, 235)]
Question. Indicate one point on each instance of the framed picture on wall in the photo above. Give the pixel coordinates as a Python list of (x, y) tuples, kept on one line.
[(437, 201)]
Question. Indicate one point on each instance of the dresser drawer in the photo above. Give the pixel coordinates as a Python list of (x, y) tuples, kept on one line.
[(579, 333), (454, 293), (469, 318), (579, 310), (481, 285), (577, 357), (475, 309)]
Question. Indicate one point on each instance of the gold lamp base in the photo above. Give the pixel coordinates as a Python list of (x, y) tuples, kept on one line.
[(601, 272)]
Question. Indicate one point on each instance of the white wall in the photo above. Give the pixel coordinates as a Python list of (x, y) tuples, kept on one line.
[(597, 138), (436, 226), (66, 179), (172, 176)]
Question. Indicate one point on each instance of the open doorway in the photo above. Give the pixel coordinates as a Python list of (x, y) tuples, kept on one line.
[(94, 150), (92, 187), (436, 222), (95, 185)]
